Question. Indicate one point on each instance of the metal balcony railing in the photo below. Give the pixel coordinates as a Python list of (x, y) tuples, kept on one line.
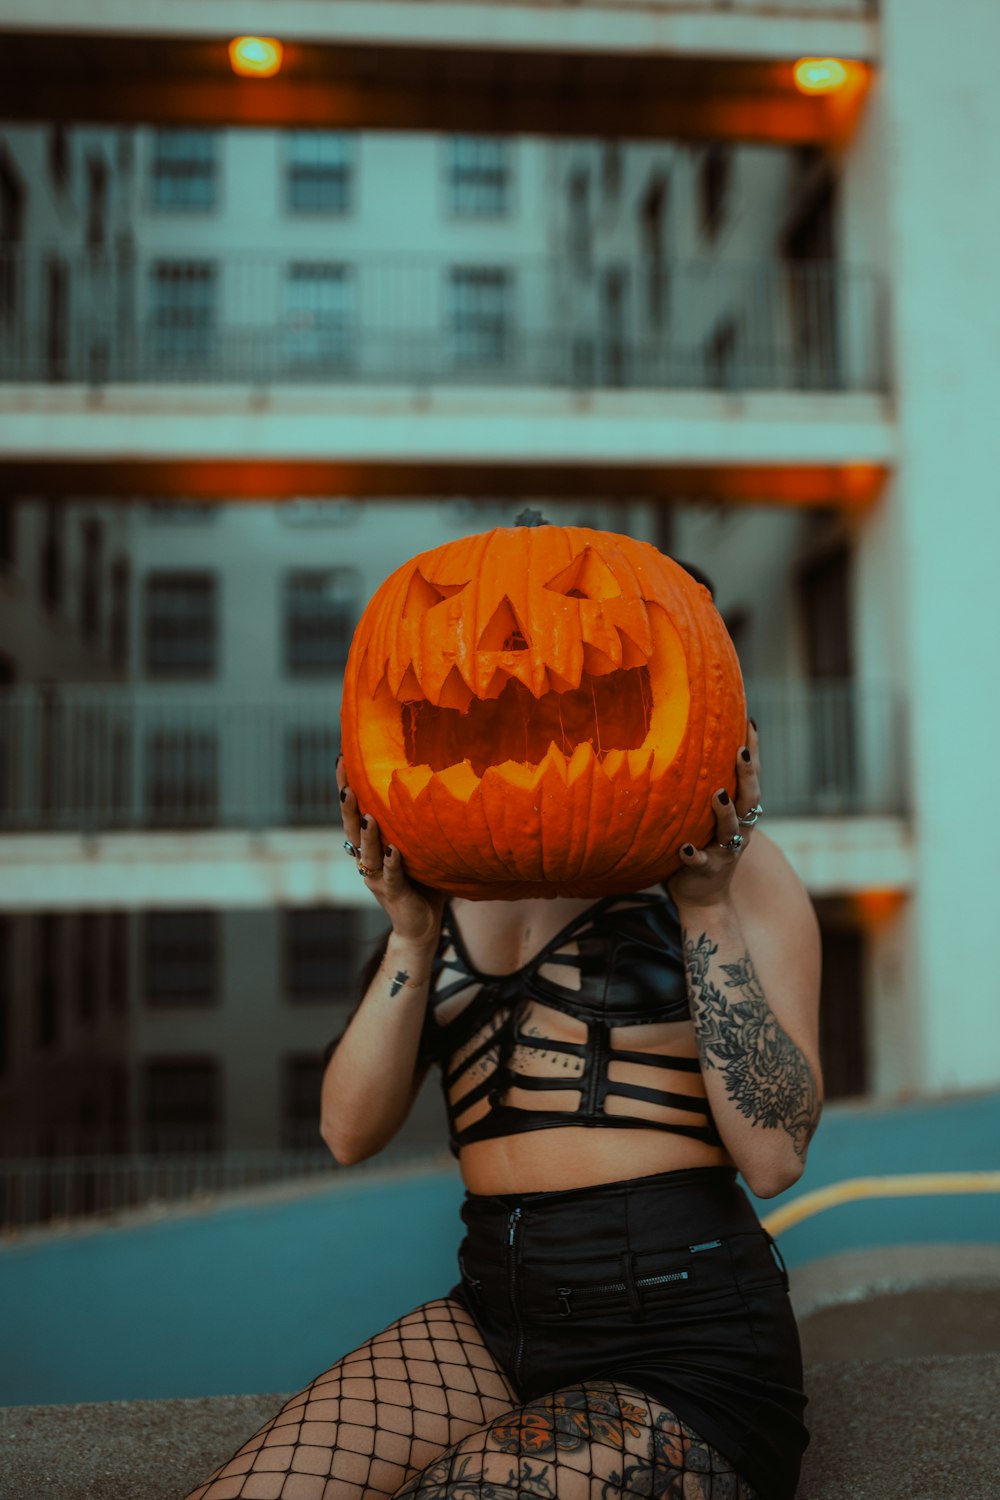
[(575, 322), (98, 761)]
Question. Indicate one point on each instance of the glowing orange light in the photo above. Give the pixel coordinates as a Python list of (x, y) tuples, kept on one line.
[(255, 56), (820, 75), (875, 907)]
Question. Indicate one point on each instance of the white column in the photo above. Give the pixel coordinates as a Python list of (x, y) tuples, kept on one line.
[(920, 195)]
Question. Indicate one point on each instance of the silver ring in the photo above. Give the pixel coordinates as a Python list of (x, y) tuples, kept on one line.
[(733, 845), (351, 849), (366, 872), (751, 817)]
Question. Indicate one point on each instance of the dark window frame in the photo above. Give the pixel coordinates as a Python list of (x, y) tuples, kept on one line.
[(328, 630), (168, 1072), (480, 174), (184, 184), (163, 954), (203, 664), (305, 980), (301, 1086), (320, 188)]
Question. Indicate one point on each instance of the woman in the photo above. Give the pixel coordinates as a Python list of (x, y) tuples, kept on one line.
[(621, 1326)]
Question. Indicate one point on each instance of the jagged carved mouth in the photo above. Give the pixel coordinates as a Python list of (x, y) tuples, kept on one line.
[(611, 711)]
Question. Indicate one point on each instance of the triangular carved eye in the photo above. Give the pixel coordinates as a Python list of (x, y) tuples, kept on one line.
[(587, 577), (422, 595), (503, 631)]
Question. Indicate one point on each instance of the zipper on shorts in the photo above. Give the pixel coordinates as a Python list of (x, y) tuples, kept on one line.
[(513, 1224), (564, 1293)]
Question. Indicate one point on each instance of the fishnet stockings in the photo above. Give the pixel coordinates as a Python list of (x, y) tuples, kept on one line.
[(423, 1411), (379, 1415), (595, 1441)]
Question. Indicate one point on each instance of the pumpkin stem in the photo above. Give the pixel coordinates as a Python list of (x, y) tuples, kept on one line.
[(529, 517)]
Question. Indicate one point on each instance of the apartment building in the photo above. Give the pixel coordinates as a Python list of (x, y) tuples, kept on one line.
[(729, 341)]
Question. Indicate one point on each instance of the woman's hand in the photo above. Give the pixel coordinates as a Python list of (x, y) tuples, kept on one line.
[(705, 876), (414, 910)]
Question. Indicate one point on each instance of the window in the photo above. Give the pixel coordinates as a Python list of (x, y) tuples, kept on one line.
[(579, 221), (480, 313), (715, 172), (8, 533), (184, 170), (181, 624), (302, 1083), (90, 583), (181, 958), (321, 610), (319, 172), (321, 948), (479, 176), (612, 172), (88, 995), (12, 204), (182, 777), (56, 317), (118, 621), (318, 321), (720, 355), (6, 997), (311, 792), (60, 161), (118, 962), (97, 202), (614, 310), (182, 313), (50, 558), (48, 937), (653, 213), (182, 1104)]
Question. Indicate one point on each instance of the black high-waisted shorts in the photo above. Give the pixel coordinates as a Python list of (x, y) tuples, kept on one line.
[(668, 1283)]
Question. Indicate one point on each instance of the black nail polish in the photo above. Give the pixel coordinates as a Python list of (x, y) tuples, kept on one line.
[(343, 794), (723, 798), (364, 822), (745, 755), (688, 849), (754, 723), (388, 851)]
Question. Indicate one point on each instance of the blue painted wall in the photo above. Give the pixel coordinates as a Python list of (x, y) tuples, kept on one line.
[(264, 1297)]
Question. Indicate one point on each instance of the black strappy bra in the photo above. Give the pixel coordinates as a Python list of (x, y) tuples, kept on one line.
[(628, 953)]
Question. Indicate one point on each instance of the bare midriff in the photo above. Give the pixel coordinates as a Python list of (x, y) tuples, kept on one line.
[(553, 1159)]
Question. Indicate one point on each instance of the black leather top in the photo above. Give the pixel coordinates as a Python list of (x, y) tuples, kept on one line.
[(628, 952)]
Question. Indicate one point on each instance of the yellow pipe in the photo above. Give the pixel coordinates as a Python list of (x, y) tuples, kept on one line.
[(855, 1188)]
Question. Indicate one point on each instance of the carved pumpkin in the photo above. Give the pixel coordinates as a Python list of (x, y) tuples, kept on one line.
[(543, 710)]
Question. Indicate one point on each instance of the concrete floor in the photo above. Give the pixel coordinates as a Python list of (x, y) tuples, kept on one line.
[(906, 1429), (903, 1386)]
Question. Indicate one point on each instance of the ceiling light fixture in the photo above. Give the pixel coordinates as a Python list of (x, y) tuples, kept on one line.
[(255, 56)]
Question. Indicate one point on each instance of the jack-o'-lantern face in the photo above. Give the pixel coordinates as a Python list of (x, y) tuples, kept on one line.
[(541, 711)]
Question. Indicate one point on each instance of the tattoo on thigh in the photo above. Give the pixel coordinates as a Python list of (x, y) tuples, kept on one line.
[(461, 1478)]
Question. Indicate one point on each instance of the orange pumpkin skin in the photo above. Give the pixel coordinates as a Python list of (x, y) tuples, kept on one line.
[(541, 711)]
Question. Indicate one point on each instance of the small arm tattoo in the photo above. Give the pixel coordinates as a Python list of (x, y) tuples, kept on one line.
[(398, 980), (765, 1073)]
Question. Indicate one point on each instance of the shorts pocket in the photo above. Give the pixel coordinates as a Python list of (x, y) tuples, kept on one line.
[(642, 1284)]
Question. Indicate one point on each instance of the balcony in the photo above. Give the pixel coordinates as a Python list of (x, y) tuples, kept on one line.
[(112, 799), (91, 762), (188, 318), (252, 376)]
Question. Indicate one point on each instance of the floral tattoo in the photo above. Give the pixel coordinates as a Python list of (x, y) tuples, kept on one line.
[(766, 1075)]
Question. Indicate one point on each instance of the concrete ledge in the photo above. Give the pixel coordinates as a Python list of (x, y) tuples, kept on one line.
[(905, 1429)]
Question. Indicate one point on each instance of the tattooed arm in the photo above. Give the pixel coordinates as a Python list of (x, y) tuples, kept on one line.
[(752, 960)]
